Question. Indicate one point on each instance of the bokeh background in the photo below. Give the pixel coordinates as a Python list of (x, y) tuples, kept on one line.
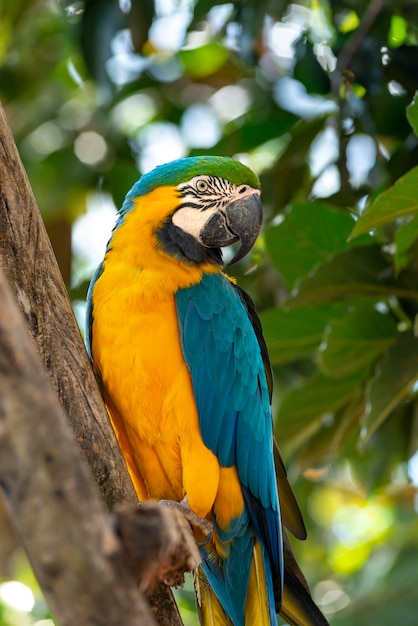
[(318, 98)]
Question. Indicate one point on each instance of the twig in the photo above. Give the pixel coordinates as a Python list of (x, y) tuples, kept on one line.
[(343, 62), (354, 42)]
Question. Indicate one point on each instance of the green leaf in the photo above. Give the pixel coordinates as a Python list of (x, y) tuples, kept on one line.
[(354, 272), (203, 61), (243, 135), (309, 234), (393, 383), (412, 113), (293, 335), (399, 200), (349, 22), (405, 237), (355, 341), (398, 31), (305, 408)]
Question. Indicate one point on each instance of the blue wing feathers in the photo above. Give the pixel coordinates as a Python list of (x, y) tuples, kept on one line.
[(212, 358), (241, 343), (236, 364), (195, 338), (232, 394), (243, 453), (225, 380), (223, 332), (227, 444), (239, 394)]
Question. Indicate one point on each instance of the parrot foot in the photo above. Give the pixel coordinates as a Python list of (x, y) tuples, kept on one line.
[(196, 522)]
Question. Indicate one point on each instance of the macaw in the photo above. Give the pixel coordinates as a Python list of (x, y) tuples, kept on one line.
[(179, 353)]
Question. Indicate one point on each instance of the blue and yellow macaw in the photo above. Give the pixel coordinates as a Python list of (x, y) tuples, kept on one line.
[(179, 352)]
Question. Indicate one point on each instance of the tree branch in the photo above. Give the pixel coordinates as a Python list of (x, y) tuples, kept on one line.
[(346, 55), (345, 58), (31, 270), (158, 543), (54, 506)]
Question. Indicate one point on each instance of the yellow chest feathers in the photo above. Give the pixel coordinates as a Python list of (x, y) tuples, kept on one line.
[(136, 345), (136, 350)]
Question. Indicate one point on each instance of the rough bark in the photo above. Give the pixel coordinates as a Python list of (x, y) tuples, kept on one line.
[(31, 271), (8, 540), (53, 503), (158, 542)]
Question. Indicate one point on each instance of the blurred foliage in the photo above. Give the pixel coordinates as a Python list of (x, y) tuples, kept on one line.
[(319, 98)]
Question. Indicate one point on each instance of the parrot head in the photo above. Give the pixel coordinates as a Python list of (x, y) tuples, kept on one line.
[(210, 202)]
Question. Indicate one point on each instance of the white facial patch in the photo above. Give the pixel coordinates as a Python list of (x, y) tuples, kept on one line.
[(191, 220)]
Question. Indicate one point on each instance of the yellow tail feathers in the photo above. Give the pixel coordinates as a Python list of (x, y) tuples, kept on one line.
[(257, 605), (209, 609)]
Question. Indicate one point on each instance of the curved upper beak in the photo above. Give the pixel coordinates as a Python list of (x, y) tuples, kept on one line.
[(240, 221)]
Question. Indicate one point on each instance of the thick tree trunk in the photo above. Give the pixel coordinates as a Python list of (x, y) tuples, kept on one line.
[(32, 273), (31, 270), (55, 508)]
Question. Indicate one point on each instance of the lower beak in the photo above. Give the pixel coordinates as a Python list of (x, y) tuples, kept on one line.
[(239, 222)]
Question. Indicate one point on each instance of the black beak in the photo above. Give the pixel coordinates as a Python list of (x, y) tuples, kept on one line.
[(240, 221)]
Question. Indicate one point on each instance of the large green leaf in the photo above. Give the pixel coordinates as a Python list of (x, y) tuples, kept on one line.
[(355, 272), (412, 113), (355, 341), (309, 234), (394, 380), (303, 410), (292, 335), (247, 134), (394, 203)]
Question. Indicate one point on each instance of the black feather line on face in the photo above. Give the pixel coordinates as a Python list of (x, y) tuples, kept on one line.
[(191, 205), (184, 247), (209, 204)]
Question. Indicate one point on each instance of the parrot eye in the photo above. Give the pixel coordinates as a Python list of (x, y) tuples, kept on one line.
[(201, 185)]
